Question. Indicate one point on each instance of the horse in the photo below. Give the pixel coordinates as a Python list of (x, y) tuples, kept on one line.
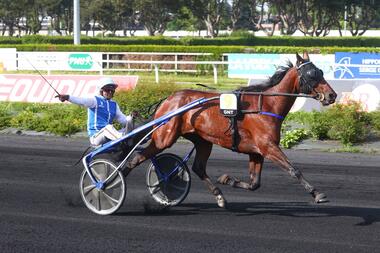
[(259, 133)]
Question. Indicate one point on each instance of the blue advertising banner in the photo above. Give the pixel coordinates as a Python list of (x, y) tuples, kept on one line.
[(249, 65), (359, 65)]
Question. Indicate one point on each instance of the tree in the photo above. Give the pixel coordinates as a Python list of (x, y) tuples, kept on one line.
[(55, 10), (156, 14), (66, 16), (360, 15), (254, 15), (236, 13), (124, 9), (269, 17), (35, 13), (184, 20), (288, 14), (106, 14), (318, 16), (210, 12), (10, 14)]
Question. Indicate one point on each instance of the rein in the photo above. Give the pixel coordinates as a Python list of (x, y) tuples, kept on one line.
[(261, 94), (258, 93)]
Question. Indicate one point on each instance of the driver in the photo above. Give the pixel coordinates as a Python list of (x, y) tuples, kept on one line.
[(102, 111)]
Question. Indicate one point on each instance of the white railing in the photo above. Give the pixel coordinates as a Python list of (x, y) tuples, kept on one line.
[(107, 63), (152, 56), (156, 65)]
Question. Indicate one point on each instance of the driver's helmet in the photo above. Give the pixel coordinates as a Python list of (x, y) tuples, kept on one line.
[(106, 81)]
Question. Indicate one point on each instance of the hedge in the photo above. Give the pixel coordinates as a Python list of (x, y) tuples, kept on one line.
[(216, 50), (242, 40)]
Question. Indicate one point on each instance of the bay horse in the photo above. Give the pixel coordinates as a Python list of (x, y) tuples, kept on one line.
[(259, 133)]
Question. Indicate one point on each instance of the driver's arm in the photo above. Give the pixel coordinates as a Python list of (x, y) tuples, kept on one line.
[(86, 102)]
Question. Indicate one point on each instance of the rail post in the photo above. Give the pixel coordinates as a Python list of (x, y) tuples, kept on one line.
[(156, 73), (215, 73), (48, 67), (176, 63)]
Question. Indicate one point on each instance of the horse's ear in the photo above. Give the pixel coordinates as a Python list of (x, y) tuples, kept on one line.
[(306, 56), (299, 59)]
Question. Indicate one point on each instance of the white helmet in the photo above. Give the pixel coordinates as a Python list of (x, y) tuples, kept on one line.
[(104, 82)]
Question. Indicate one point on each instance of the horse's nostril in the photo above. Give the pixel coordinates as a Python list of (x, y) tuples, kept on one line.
[(332, 96)]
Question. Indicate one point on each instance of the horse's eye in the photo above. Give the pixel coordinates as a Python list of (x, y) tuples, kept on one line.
[(315, 74)]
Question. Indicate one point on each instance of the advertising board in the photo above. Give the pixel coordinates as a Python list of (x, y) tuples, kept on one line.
[(262, 66), (360, 65), (7, 59), (248, 65), (33, 88), (63, 61)]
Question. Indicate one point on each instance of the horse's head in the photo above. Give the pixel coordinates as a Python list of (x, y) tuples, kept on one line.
[(311, 81)]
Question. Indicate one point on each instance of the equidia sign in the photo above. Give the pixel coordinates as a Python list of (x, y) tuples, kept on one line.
[(32, 88)]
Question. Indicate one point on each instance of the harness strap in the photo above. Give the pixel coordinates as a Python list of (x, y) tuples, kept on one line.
[(234, 124), (235, 134), (273, 115)]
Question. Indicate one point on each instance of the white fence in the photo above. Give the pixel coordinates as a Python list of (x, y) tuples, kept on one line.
[(154, 62), (114, 62)]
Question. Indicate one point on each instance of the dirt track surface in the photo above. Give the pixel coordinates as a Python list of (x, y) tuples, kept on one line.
[(41, 209)]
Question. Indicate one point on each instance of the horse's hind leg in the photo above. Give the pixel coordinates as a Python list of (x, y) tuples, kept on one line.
[(161, 140), (203, 151), (138, 157), (255, 168), (275, 154)]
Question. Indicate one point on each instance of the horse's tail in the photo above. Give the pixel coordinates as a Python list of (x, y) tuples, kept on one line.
[(206, 86)]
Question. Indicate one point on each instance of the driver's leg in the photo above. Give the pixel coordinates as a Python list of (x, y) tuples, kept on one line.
[(106, 133)]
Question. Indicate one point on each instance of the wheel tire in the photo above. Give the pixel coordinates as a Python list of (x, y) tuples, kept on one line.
[(173, 191), (103, 201)]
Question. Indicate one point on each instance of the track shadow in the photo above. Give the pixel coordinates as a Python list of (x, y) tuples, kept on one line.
[(296, 210)]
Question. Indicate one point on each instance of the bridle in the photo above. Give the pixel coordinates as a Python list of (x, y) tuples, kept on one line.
[(309, 78)]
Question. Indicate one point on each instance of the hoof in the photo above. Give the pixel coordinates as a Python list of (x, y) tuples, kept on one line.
[(320, 198), (223, 179), (221, 201)]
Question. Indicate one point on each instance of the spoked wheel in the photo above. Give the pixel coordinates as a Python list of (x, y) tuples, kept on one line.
[(168, 179), (105, 199)]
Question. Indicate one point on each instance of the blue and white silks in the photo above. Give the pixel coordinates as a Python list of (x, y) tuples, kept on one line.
[(101, 115)]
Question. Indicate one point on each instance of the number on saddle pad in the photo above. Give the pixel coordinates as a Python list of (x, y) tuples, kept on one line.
[(228, 104)]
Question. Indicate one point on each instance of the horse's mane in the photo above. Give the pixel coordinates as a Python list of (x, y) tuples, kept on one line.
[(272, 81)]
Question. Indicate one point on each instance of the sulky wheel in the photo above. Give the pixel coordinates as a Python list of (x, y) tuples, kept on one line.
[(102, 199), (169, 182)]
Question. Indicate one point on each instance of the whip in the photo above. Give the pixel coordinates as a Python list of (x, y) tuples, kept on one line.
[(41, 75)]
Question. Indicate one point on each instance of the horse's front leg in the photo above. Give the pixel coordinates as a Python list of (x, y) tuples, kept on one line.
[(255, 168), (275, 154)]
